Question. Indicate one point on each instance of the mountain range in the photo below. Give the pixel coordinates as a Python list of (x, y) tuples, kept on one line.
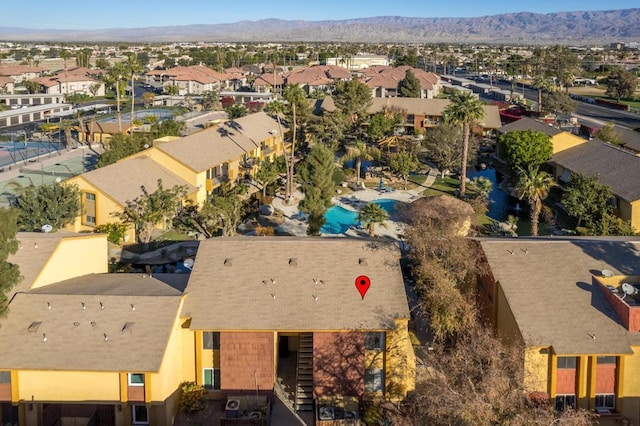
[(585, 27)]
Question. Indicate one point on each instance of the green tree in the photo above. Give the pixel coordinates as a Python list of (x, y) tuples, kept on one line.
[(410, 86), (148, 98), (114, 77), (57, 205), (360, 151), (372, 214), (121, 146), (32, 86), (132, 67), (610, 224), (465, 110), (102, 64), (542, 84), (9, 272), (315, 174), (559, 102), (148, 210), (169, 127), (525, 148), (403, 163), (210, 100), (83, 57), (609, 134), (236, 111), (353, 98), (586, 199), (380, 126), (328, 128), (621, 84), (534, 185), (482, 186), (171, 89), (444, 147), (267, 174)]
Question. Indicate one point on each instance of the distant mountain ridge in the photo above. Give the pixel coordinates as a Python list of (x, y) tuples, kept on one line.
[(519, 28)]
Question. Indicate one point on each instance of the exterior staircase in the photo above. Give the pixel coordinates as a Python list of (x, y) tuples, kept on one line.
[(304, 374)]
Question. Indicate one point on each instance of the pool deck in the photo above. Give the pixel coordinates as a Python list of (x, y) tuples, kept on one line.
[(293, 225)]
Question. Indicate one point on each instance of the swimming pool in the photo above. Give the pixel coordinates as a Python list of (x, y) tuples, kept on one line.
[(162, 114), (338, 220)]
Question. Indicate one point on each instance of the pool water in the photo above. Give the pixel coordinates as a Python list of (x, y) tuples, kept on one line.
[(162, 114), (500, 203), (338, 220)]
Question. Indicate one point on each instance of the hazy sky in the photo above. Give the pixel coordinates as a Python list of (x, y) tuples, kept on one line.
[(93, 14)]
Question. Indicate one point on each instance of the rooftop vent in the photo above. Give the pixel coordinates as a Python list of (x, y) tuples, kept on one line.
[(128, 326), (228, 262), (33, 327), (362, 262), (293, 261)]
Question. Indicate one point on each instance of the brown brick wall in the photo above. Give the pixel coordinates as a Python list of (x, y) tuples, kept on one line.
[(338, 364), (5, 392), (606, 378), (243, 356), (566, 381)]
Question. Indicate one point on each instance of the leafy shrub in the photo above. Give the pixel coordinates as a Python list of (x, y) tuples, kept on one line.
[(193, 397), (338, 177), (115, 231)]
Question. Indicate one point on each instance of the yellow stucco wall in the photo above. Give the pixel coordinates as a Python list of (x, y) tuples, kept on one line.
[(565, 140), (400, 372), (536, 367), (179, 347), (89, 253), (105, 205), (68, 386), (631, 212)]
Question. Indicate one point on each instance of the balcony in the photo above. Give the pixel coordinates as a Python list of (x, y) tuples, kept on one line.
[(216, 182)]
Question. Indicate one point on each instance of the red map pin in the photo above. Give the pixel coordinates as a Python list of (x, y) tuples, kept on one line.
[(362, 284)]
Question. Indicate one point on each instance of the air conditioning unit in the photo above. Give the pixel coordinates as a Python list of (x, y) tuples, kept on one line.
[(603, 411), (232, 408)]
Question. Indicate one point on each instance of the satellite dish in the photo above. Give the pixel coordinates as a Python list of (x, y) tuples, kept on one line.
[(188, 263), (607, 273), (628, 289), (47, 228)]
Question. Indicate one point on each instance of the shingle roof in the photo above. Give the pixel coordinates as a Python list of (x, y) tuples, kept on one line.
[(257, 127), (615, 167), (548, 287), (240, 295), (75, 337), (131, 284), (122, 180), (526, 123)]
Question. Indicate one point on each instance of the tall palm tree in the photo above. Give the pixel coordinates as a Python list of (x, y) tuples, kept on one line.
[(534, 185), (114, 76), (464, 109), (360, 152), (66, 126), (371, 214), (542, 84), (132, 67), (296, 98)]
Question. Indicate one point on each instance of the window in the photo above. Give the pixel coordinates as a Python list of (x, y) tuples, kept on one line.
[(211, 378), (564, 402), (605, 400), (210, 340), (5, 377), (566, 362), (140, 414), (606, 360), (136, 379), (89, 209), (373, 380), (374, 340)]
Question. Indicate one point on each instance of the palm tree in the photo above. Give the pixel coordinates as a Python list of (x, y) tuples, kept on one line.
[(66, 126), (482, 185), (114, 76), (534, 185), (541, 84), (295, 97), (133, 67), (371, 214), (360, 152), (467, 110)]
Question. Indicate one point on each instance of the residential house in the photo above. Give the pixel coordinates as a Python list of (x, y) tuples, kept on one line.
[(20, 73), (629, 139), (320, 77), (86, 347), (201, 162), (563, 299), (360, 61), (614, 166), (268, 82), (192, 80), (425, 113), (384, 81), (81, 346), (7, 85), (102, 131), (297, 320), (73, 81)]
